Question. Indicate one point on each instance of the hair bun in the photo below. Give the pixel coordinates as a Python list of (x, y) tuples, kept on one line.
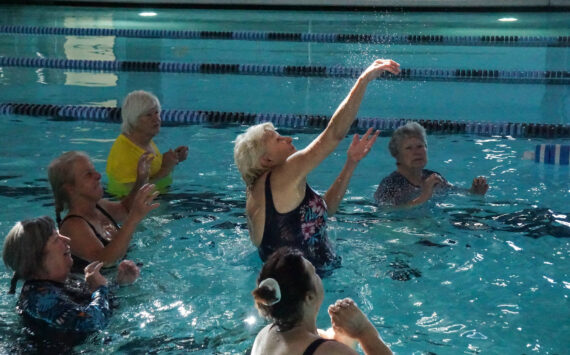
[(271, 284)]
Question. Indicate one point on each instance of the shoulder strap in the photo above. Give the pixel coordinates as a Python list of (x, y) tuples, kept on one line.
[(108, 215), (314, 345)]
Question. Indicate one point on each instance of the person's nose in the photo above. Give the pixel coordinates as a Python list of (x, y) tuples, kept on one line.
[(288, 139), (64, 239), (98, 175)]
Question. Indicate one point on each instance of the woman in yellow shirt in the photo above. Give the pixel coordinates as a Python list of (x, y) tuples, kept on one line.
[(141, 122)]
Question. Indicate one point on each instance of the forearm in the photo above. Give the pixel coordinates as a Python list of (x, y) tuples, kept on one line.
[(336, 191), (372, 343), (345, 114), (163, 172), (119, 245)]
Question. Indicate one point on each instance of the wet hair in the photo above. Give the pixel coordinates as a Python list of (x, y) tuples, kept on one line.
[(24, 246), (60, 172), (287, 267), (136, 104), (248, 149), (409, 130)]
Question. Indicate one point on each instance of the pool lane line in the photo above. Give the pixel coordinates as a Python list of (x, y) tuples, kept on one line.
[(556, 77), (173, 117), (411, 39)]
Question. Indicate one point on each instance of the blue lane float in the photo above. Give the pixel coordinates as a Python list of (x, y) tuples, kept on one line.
[(412, 74), (411, 39), (557, 154), (173, 117)]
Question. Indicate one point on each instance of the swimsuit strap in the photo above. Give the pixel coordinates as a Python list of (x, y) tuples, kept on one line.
[(86, 221), (314, 345), (108, 215)]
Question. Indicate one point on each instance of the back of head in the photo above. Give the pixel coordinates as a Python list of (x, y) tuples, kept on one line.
[(410, 129), (248, 149), (60, 172), (136, 104), (24, 245), (283, 304)]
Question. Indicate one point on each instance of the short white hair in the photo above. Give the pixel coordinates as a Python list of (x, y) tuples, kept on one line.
[(136, 104), (410, 129), (248, 149)]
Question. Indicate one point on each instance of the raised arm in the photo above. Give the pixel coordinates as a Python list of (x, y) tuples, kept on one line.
[(302, 162), (347, 319), (358, 149), (86, 245)]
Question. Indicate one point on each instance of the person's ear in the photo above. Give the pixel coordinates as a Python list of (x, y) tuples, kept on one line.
[(265, 161)]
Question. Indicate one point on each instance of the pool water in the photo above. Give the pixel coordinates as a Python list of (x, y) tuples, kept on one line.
[(461, 274)]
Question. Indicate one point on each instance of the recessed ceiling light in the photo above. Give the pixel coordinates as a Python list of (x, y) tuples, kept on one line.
[(507, 19), (147, 14)]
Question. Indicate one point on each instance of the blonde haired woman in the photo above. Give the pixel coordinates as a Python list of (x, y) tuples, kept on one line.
[(281, 208), (92, 222)]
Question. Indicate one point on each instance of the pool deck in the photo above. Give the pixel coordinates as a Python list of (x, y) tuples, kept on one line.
[(418, 4)]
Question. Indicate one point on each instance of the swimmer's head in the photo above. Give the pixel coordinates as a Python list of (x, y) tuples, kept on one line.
[(248, 149), (135, 105), (23, 249), (409, 130), (288, 267), (60, 173)]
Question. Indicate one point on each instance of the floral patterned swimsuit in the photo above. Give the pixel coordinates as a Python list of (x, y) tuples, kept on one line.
[(303, 228)]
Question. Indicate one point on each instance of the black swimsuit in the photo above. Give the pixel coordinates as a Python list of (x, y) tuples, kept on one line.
[(314, 345), (303, 228), (79, 264)]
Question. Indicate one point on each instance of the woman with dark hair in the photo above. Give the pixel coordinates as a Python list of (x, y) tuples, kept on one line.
[(290, 294), (49, 301)]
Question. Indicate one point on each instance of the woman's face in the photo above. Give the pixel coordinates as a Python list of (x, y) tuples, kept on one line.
[(412, 153), (277, 148), (149, 122), (87, 181), (57, 259)]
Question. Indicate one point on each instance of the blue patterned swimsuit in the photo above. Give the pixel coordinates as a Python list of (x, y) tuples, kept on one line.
[(303, 228), (48, 303)]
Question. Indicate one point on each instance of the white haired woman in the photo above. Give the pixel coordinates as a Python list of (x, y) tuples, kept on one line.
[(141, 123), (281, 208), (92, 222), (411, 184), (41, 256), (290, 293)]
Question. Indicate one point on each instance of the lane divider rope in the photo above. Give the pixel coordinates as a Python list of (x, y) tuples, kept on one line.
[(173, 117), (479, 40), (414, 74)]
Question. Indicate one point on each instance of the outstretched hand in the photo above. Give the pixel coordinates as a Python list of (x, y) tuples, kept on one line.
[(479, 186), (181, 153), (348, 319), (360, 147), (143, 201), (93, 277), (143, 166), (378, 67), (127, 272)]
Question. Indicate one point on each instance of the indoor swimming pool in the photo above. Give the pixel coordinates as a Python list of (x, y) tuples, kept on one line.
[(460, 274)]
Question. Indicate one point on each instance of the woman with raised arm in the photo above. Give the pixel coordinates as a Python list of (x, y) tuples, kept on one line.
[(290, 293), (92, 222), (281, 208)]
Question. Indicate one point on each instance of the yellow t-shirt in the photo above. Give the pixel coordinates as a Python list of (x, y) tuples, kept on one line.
[(122, 165)]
